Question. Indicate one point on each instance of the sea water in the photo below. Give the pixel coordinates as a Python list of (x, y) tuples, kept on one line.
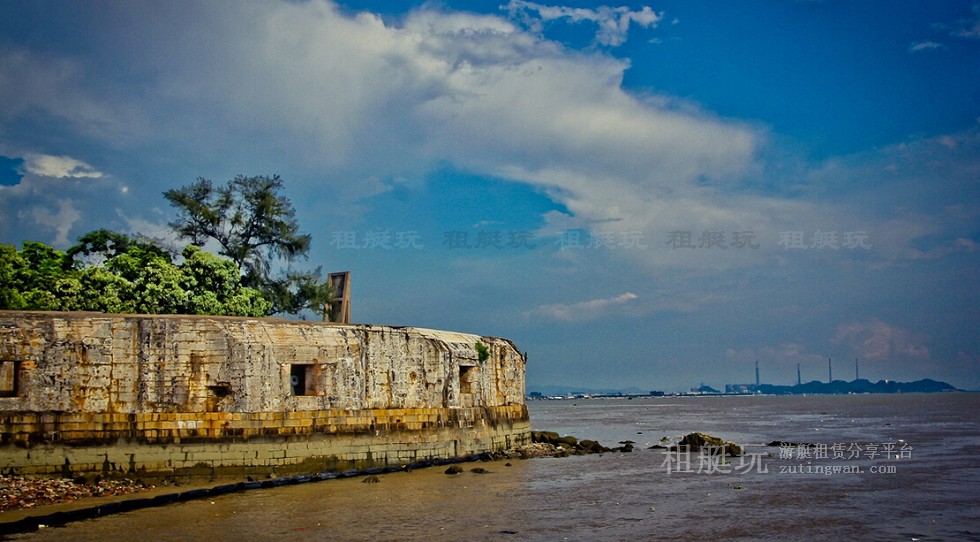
[(855, 467)]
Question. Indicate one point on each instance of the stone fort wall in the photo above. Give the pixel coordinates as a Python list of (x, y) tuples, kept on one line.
[(197, 395)]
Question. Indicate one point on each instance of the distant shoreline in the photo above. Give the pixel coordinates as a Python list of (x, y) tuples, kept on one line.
[(837, 387)]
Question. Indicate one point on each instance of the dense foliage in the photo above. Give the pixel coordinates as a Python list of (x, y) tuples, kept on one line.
[(110, 272)]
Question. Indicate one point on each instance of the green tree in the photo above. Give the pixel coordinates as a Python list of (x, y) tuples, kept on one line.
[(255, 226), (104, 291), (214, 286), (248, 217), (11, 292), (113, 273), (297, 291), (31, 277), (102, 244), (158, 288)]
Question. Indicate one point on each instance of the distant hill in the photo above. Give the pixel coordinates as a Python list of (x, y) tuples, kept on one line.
[(814, 387), (856, 386)]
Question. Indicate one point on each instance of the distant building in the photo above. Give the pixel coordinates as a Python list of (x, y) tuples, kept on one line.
[(704, 389), (740, 388)]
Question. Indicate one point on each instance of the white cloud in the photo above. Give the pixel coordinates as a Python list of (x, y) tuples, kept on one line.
[(60, 221), (966, 27), (54, 197), (57, 91), (358, 101), (877, 189), (348, 101), (925, 46), (876, 340), (969, 28), (613, 22), (583, 310), (59, 167)]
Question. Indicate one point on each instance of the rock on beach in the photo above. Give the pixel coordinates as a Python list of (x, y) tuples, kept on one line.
[(697, 441), (569, 445)]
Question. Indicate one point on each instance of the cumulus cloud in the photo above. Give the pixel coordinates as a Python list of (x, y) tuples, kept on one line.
[(48, 209), (874, 339), (613, 22), (59, 167), (880, 183), (52, 199), (43, 200), (583, 310), (58, 93), (350, 101), (59, 221)]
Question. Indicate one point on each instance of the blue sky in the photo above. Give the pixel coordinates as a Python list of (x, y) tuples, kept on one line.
[(639, 194)]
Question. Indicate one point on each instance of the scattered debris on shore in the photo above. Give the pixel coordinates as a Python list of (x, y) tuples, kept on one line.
[(18, 492)]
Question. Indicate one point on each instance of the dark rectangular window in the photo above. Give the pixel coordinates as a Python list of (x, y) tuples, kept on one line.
[(297, 379), (8, 378)]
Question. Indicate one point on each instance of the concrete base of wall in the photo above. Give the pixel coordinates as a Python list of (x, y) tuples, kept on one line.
[(237, 444)]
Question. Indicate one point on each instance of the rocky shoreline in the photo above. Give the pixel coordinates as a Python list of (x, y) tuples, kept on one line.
[(19, 492), (24, 493), (28, 504), (551, 444)]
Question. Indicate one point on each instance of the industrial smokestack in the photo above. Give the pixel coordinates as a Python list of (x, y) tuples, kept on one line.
[(857, 375), (799, 380), (756, 373), (830, 371)]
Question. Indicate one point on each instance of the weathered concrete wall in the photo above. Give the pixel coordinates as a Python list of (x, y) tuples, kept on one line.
[(177, 393)]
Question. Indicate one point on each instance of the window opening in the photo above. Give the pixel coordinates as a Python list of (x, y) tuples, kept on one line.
[(297, 379), (8, 378), (469, 377)]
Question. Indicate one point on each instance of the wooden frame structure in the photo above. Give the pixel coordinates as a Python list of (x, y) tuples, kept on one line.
[(338, 309)]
